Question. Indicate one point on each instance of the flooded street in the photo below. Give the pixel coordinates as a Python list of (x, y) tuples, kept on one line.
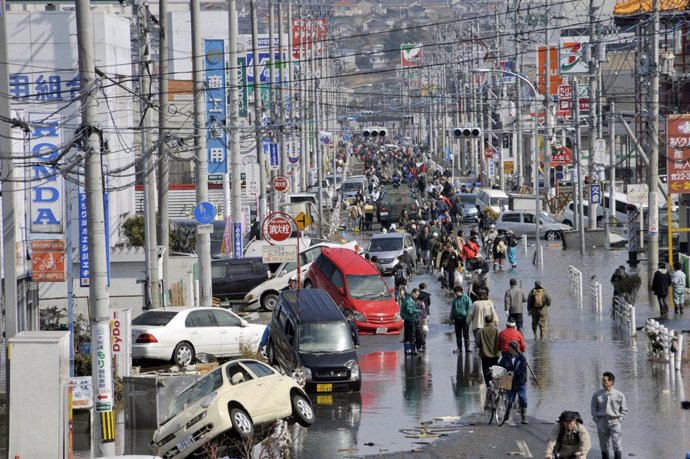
[(400, 392)]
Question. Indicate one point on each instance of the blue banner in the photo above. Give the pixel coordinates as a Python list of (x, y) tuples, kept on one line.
[(237, 239), (214, 75), (84, 265)]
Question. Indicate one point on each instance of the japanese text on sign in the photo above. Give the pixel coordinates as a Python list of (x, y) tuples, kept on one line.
[(216, 143), (47, 189), (44, 87), (678, 153)]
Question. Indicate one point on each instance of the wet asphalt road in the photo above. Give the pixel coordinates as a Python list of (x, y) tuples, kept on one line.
[(398, 393)]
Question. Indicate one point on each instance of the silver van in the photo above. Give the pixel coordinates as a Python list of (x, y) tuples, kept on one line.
[(388, 247), (352, 186)]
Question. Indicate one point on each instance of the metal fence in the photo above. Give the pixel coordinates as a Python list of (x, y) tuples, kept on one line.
[(595, 290), (623, 314), (575, 284), (663, 345)]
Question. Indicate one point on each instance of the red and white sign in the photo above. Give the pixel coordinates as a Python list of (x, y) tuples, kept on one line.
[(562, 156), (278, 229), (565, 100), (281, 184), (489, 153)]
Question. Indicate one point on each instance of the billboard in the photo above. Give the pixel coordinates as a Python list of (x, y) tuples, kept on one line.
[(47, 184), (411, 55), (555, 79), (214, 74), (678, 153), (306, 32), (570, 61)]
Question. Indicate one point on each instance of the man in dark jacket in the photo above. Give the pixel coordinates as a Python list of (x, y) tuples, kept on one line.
[(514, 362), (660, 285)]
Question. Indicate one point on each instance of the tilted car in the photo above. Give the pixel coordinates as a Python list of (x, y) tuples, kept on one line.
[(179, 334), (229, 402), (523, 222)]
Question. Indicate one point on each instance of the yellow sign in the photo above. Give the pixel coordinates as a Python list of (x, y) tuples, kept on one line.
[(508, 167), (303, 220)]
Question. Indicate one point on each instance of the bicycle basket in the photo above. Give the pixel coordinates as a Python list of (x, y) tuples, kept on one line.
[(504, 382)]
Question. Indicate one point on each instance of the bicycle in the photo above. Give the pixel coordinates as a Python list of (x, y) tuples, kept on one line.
[(496, 400)]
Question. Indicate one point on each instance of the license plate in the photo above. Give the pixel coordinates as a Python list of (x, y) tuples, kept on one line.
[(324, 388), (185, 443), (381, 330), (324, 399), (384, 214)]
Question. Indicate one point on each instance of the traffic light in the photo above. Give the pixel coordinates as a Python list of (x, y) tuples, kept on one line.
[(467, 132), (374, 132)]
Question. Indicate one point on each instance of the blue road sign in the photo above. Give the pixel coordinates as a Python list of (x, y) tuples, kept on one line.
[(273, 158), (595, 194), (237, 239), (204, 213)]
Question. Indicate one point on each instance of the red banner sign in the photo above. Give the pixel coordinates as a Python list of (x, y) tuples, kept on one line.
[(561, 156)]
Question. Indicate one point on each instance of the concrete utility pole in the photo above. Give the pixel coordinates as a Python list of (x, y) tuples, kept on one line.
[(257, 116), (517, 141), (612, 152), (281, 95), (203, 240), (548, 119), (273, 113), (653, 258), (578, 167), (234, 124), (163, 158), (593, 103), (304, 153), (9, 218), (290, 113), (103, 426), (149, 173)]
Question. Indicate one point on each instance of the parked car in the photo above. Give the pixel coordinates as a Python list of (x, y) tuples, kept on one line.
[(497, 200), (236, 398), (352, 186), (178, 334), (391, 203), (266, 293), (523, 222), (388, 247), (358, 289), (233, 278), (465, 206), (309, 331), (571, 214)]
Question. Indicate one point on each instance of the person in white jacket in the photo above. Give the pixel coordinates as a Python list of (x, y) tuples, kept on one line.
[(481, 308)]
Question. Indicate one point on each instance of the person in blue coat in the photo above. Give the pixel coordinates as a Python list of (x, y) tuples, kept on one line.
[(514, 362)]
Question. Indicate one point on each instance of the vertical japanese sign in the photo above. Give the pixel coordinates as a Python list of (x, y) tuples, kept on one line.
[(238, 246), (243, 90), (104, 379), (410, 55), (678, 153), (83, 243), (308, 33), (47, 185), (554, 78), (214, 68)]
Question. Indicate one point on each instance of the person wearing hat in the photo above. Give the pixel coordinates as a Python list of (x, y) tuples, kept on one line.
[(292, 283), (514, 362), (538, 302), (511, 334), (487, 340), (569, 438)]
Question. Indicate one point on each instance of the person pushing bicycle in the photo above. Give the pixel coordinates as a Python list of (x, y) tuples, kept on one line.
[(514, 362)]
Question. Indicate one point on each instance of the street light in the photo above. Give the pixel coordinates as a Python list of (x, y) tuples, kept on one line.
[(537, 259)]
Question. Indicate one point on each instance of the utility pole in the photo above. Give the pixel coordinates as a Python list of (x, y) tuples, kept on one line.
[(163, 157), (518, 103), (578, 167), (149, 171), (290, 113), (593, 103), (653, 258), (257, 115), (304, 154), (281, 93), (612, 171), (275, 205), (548, 119), (234, 125), (203, 240), (9, 217), (103, 443)]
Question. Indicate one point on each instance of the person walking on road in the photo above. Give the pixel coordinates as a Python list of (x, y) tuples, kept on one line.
[(488, 346), (514, 362), (409, 312), (512, 243), (678, 281), (660, 286), (608, 410), (618, 275), (459, 310), (513, 302), (569, 439), (538, 302), (481, 308), (509, 335)]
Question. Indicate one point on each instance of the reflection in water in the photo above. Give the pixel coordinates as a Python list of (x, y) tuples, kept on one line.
[(416, 383), (541, 363)]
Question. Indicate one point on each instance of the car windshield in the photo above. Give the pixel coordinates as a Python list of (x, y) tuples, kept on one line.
[(155, 318), (548, 218), (194, 393), (324, 337), (468, 199), (501, 203), (385, 244), (352, 186), (367, 287)]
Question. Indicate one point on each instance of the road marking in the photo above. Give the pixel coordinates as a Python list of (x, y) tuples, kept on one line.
[(524, 449)]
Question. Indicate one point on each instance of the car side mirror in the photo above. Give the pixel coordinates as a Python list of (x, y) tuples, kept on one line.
[(341, 291), (283, 272), (243, 323)]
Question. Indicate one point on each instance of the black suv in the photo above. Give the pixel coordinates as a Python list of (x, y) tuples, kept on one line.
[(308, 330), (233, 278)]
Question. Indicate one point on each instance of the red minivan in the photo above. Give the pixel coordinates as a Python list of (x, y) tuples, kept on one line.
[(357, 288)]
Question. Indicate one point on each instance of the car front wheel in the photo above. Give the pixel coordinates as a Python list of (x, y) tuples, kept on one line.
[(268, 301), (183, 354), (302, 411), (241, 422), (552, 236)]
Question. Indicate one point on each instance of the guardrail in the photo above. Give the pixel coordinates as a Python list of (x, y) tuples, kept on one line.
[(575, 283), (663, 345), (524, 243), (595, 290), (623, 312)]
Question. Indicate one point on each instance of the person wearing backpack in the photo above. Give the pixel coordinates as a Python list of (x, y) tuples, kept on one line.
[(499, 249), (569, 438), (538, 302)]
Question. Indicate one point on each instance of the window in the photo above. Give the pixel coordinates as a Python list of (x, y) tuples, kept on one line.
[(290, 332), (529, 218), (259, 268), (511, 218), (327, 268), (290, 266), (408, 242), (367, 287), (240, 269), (200, 319), (311, 255), (236, 369), (259, 369), (324, 337), (226, 319), (337, 279), (282, 318), (154, 318), (385, 244), (196, 392), (218, 271)]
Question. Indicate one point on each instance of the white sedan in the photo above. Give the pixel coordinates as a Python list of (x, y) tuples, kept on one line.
[(179, 334), (226, 405)]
